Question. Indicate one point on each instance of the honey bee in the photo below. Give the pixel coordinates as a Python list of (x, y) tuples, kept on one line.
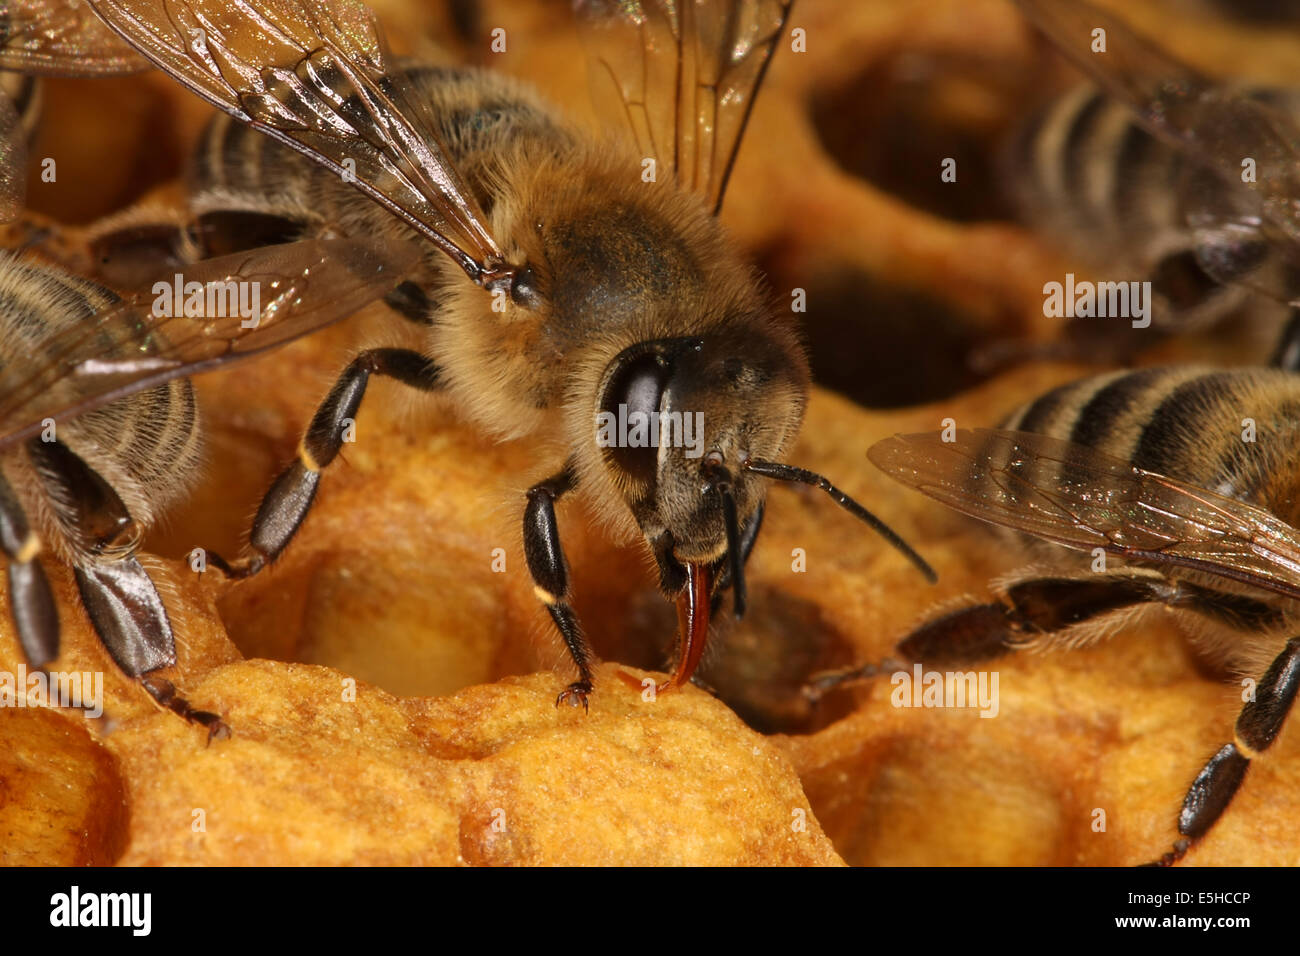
[(1086, 172), (1162, 171), (1153, 467), (99, 430), (569, 282)]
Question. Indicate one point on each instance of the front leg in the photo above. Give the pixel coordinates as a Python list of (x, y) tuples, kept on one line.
[(119, 596), (550, 573), (285, 506), (748, 538)]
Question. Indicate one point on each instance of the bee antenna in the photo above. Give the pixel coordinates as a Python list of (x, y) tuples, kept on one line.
[(721, 485), (772, 469)]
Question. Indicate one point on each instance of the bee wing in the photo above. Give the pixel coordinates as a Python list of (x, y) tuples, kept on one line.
[(135, 344), (1216, 128), (314, 76), (61, 38), (683, 75), (1081, 498), (13, 161)]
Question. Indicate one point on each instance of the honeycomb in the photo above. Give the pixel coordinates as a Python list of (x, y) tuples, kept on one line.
[(390, 692)]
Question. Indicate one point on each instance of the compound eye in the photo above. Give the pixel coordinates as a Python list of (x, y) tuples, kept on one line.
[(628, 429)]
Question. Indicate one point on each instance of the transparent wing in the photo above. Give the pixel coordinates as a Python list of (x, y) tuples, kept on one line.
[(13, 161), (682, 75), (1217, 128), (314, 76), (61, 38), (151, 337), (1078, 497)]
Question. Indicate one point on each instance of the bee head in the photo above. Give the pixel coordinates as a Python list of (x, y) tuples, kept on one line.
[(678, 421), (690, 430)]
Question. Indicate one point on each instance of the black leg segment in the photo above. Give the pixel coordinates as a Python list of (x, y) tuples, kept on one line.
[(748, 538), (130, 619), (550, 572), (285, 506), (1046, 606), (90, 511), (128, 615), (31, 602), (164, 692), (1258, 725)]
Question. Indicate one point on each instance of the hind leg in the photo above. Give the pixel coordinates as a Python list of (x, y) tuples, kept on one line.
[(117, 593), (129, 617)]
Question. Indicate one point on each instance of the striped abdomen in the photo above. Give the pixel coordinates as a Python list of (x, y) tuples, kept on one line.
[(1235, 432), (145, 446), (1084, 171)]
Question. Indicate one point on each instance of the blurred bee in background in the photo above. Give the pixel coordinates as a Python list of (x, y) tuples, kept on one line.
[(1089, 175), (1143, 174), (565, 278), (1187, 474)]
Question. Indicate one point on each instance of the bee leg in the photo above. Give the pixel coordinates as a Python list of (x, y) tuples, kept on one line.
[(979, 632), (285, 506), (1258, 726), (164, 692), (1030, 608), (133, 248), (550, 573), (129, 617), (412, 301), (1287, 353), (31, 602), (119, 596), (221, 232), (748, 538)]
